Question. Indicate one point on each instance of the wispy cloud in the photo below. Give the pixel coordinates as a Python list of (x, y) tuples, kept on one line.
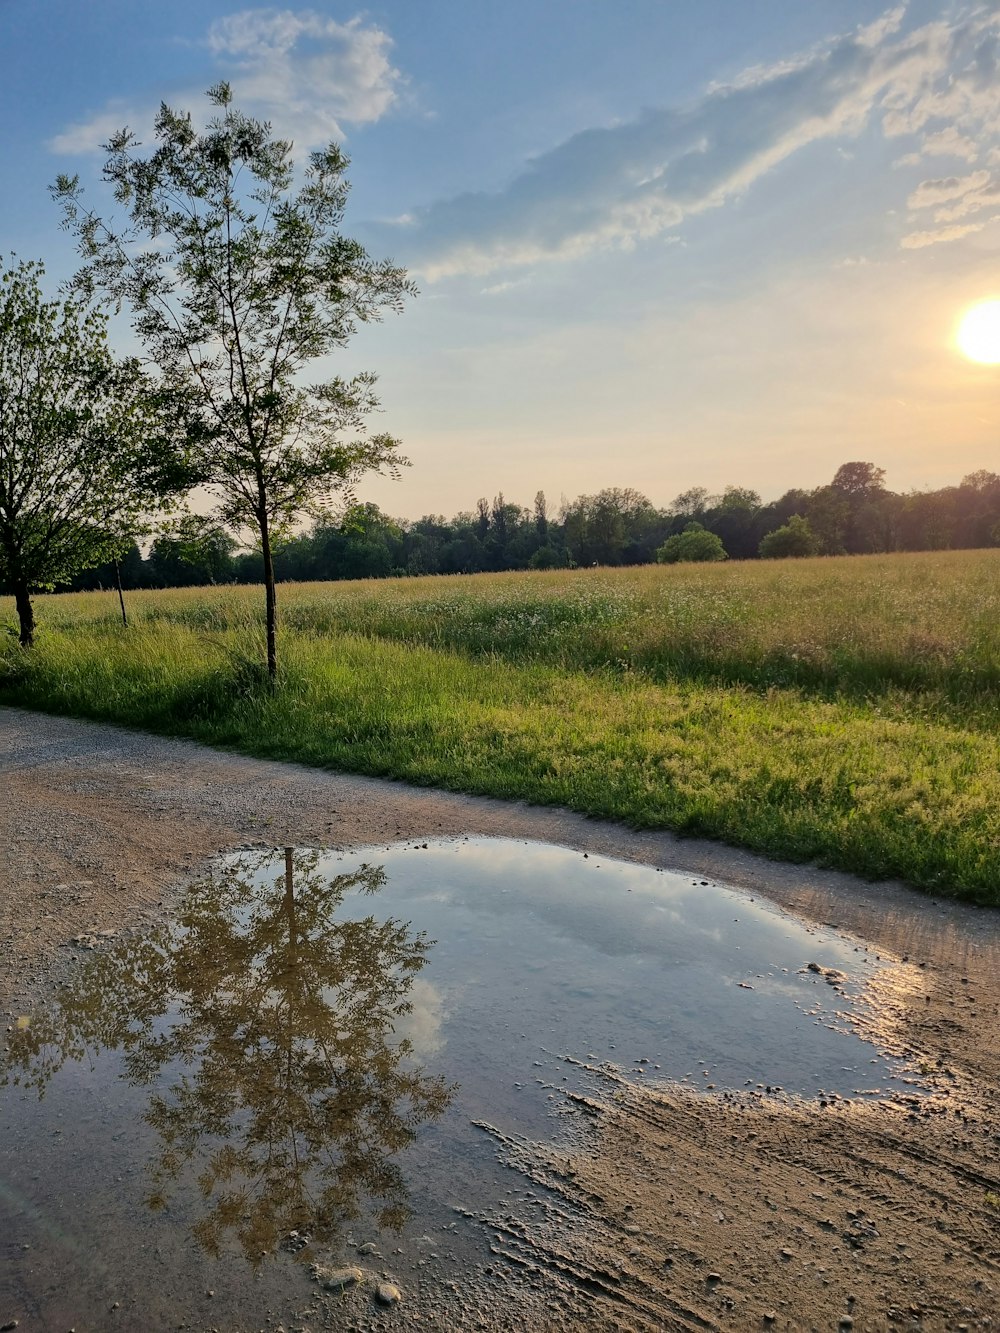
[(952, 198), (309, 75), (930, 193), (973, 201), (949, 142), (620, 185), (498, 288), (919, 240), (87, 136)]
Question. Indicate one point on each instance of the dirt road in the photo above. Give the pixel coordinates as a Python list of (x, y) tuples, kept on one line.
[(680, 1211)]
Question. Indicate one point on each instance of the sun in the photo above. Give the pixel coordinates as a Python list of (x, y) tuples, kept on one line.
[(978, 333)]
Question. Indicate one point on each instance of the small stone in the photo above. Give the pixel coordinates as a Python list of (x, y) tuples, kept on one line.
[(387, 1293), (369, 1247), (336, 1279)]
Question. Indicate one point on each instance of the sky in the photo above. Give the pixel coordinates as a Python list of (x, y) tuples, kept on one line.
[(658, 243)]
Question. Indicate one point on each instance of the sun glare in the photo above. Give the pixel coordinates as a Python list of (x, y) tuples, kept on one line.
[(978, 333)]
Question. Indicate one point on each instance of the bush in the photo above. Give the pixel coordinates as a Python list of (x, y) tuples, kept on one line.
[(796, 538), (695, 543), (546, 557)]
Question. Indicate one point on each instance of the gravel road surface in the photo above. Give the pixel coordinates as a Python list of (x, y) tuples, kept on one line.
[(707, 1213)]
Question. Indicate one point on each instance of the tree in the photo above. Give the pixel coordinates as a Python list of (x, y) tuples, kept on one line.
[(237, 282), (692, 503), (545, 557), (695, 543), (482, 518), (928, 520), (736, 518), (830, 517), (541, 517), (859, 480), (370, 540), (867, 524), (83, 459), (737, 499), (796, 537), (128, 567), (608, 528), (193, 550), (978, 508)]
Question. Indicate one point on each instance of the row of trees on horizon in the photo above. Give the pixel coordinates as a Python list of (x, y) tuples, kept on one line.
[(853, 514)]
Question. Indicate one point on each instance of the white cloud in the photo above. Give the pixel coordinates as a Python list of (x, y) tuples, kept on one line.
[(930, 193), (973, 202), (957, 94), (619, 185), (88, 136), (953, 198), (918, 240), (309, 75), (949, 143)]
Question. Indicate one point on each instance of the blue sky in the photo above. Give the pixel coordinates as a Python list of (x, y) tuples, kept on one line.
[(659, 243)]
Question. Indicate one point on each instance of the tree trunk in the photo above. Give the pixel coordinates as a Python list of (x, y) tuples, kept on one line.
[(272, 609), (121, 595), (25, 614)]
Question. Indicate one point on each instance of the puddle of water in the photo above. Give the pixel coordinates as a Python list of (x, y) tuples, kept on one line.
[(308, 1047)]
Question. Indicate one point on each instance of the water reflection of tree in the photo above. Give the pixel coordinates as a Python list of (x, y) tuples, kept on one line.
[(271, 1024)]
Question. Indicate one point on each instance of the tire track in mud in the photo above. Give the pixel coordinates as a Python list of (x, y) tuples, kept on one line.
[(560, 1254), (680, 1210)]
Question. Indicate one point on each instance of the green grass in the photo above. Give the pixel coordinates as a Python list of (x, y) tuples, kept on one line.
[(842, 711)]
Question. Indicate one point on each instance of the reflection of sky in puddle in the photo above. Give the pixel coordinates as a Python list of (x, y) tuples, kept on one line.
[(288, 1056), (591, 957)]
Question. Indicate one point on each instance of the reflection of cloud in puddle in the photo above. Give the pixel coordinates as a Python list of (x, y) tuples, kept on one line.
[(590, 952), (422, 1025), (663, 914)]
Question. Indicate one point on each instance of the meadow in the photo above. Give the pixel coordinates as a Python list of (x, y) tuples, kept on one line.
[(843, 711)]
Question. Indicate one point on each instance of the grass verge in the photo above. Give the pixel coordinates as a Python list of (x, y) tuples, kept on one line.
[(782, 771)]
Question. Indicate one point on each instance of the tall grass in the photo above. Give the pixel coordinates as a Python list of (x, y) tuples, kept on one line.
[(842, 711), (857, 625)]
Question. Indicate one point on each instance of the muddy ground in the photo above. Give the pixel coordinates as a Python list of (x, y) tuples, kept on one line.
[(673, 1210)]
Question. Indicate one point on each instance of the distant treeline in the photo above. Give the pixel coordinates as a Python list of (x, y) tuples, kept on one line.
[(854, 514)]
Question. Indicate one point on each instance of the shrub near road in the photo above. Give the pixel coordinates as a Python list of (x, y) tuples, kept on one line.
[(843, 711)]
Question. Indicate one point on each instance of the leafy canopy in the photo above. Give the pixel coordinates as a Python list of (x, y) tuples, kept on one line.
[(237, 281), (794, 538), (238, 278), (695, 543), (84, 458)]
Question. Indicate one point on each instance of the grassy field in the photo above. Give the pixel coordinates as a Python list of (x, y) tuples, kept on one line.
[(842, 710)]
